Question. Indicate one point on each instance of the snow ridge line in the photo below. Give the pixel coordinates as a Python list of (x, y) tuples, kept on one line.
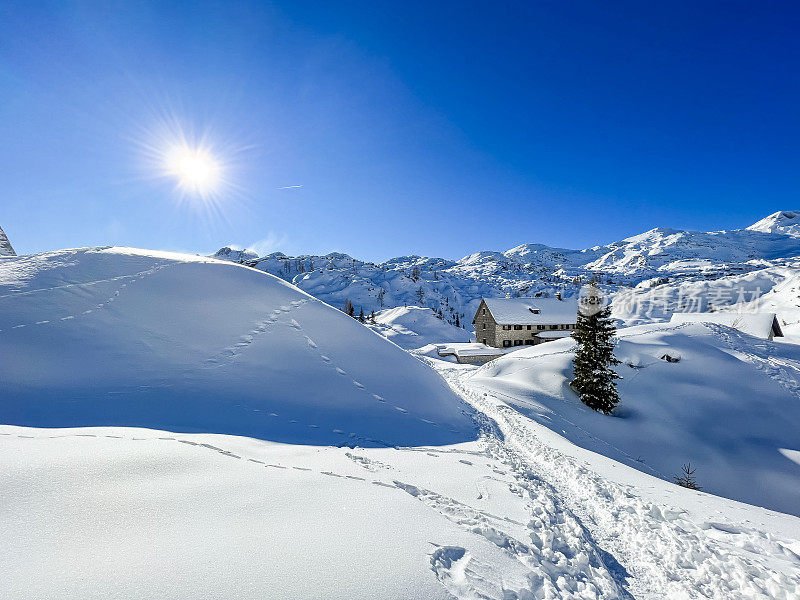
[(668, 556)]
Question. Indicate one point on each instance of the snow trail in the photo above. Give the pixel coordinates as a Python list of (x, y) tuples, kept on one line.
[(666, 553)]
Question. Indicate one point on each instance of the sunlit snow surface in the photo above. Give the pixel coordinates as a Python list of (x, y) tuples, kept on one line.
[(184, 373), (134, 338)]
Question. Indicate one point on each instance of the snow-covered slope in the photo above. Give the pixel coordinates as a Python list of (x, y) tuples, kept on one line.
[(729, 405), (182, 373), (115, 336), (412, 327), (785, 221)]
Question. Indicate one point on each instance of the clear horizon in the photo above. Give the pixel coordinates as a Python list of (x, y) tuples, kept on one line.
[(432, 130)]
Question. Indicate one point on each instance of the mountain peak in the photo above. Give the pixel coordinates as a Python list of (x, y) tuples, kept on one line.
[(5, 246), (786, 222)]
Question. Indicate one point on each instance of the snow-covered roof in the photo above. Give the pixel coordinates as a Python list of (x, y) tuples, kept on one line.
[(756, 324), (532, 311)]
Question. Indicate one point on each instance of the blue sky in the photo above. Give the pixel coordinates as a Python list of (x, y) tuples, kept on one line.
[(438, 130)]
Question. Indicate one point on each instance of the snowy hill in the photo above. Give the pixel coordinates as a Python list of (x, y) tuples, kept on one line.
[(729, 405), (412, 327), (114, 336), (633, 266)]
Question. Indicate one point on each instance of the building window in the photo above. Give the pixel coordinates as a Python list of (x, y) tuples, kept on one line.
[(484, 341), (484, 311), (517, 327), (484, 325), (553, 326), (506, 343), (529, 327), (518, 342), (529, 342), (540, 327), (506, 327)]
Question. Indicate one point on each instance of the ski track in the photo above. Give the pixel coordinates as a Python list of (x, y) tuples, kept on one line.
[(666, 554)]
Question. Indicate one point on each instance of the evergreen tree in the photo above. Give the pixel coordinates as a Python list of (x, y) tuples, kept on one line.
[(458, 324), (594, 379), (361, 315), (349, 308)]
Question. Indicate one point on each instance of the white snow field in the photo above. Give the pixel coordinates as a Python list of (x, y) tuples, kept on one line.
[(661, 540), (727, 402), (137, 338), (179, 427)]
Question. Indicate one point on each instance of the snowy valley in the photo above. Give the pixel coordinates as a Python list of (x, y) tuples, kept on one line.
[(175, 425)]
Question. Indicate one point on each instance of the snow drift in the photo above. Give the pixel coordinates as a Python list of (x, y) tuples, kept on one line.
[(695, 392), (412, 327), (115, 336)]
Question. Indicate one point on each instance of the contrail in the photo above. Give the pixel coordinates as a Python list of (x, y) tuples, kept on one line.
[(289, 187)]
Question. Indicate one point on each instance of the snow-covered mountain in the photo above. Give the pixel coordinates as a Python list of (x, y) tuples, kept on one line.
[(5, 246), (785, 221), (768, 252)]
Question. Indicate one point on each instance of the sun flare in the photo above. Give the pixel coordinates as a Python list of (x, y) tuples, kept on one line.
[(197, 169)]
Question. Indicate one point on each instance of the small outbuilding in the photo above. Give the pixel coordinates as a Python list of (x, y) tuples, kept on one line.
[(761, 325)]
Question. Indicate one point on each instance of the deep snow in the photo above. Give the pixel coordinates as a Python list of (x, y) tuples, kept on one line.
[(116, 336), (175, 343), (729, 405)]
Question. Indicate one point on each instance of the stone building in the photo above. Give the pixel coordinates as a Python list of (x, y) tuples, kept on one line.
[(506, 322)]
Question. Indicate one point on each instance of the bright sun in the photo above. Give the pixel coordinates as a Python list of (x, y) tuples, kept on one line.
[(196, 169)]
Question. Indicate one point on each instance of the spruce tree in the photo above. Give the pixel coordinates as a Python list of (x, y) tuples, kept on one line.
[(593, 378), (361, 315)]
